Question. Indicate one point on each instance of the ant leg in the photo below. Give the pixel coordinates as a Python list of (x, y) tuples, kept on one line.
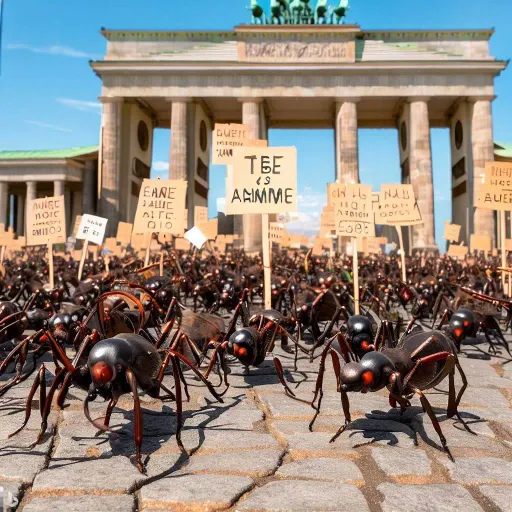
[(22, 357), (280, 374), (319, 391), (109, 411), (138, 419), (179, 402), (488, 338), (40, 376), (185, 386), (461, 392), (61, 397), (47, 406), (346, 411), (428, 409)]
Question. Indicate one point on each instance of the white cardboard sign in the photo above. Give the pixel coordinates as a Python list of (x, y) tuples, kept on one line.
[(92, 228)]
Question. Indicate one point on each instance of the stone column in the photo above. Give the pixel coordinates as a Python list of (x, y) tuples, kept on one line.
[(420, 158), (4, 202), (111, 162), (88, 186), (483, 151), (347, 144), (178, 168), (252, 222), (20, 217), (59, 187)]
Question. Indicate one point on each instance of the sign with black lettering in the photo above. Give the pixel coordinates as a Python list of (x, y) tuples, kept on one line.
[(353, 210), (161, 207), (225, 138), (397, 206), (92, 229), (46, 221), (262, 180)]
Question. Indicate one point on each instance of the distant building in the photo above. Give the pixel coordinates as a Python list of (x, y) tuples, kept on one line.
[(26, 175)]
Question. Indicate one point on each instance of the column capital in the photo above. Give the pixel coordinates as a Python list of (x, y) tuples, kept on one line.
[(418, 99), (347, 99), (107, 99), (250, 100), (488, 97)]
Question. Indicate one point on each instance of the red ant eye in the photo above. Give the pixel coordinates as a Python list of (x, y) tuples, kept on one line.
[(466, 323), (365, 345), (102, 373), (367, 378)]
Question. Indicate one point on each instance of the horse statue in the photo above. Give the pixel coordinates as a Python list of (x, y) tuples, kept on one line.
[(296, 9), (258, 14), (340, 12), (279, 10), (307, 13), (321, 12)]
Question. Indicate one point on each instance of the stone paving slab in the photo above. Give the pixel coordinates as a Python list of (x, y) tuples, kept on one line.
[(82, 504), (288, 495), (427, 498)]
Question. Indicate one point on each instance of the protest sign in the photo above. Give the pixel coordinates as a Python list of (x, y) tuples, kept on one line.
[(180, 244), (397, 206), (78, 219), (124, 233), (46, 224), (161, 207), (200, 215), (276, 232), (196, 237), (451, 232), (354, 215), (263, 180), (209, 228), (225, 138), (457, 251), (46, 221), (480, 243), (92, 229)]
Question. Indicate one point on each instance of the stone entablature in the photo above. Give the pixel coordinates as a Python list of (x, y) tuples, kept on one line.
[(345, 43)]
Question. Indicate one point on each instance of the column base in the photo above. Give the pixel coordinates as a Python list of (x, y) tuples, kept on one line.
[(425, 248)]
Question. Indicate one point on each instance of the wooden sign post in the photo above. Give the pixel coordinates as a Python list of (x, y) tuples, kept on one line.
[(262, 181), (46, 225), (160, 209), (355, 218), (396, 206), (90, 229)]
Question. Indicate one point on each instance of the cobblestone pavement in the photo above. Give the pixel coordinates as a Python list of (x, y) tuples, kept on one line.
[(254, 451)]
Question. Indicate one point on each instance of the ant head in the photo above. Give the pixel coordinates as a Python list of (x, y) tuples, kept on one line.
[(462, 323), (242, 345), (370, 374)]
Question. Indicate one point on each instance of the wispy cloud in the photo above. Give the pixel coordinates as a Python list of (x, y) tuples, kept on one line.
[(160, 166), (84, 106), (55, 49), (49, 126)]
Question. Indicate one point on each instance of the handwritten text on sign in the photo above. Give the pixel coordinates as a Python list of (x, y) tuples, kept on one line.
[(160, 208), (262, 180), (92, 228), (397, 206), (46, 221), (225, 138), (353, 210)]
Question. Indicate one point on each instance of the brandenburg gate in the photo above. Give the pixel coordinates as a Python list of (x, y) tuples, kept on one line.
[(297, 76)]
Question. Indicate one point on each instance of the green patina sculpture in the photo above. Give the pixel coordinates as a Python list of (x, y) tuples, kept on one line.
[(299, 12), (322, 12), (258, 14), (340, 12)]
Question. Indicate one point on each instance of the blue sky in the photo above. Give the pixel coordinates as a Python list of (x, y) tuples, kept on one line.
[(48, 93)]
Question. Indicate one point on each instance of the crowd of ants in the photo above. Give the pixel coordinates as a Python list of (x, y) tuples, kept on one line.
[(122, 330)]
